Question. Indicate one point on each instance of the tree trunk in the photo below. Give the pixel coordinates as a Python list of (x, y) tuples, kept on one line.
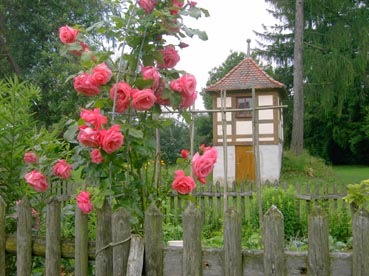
[(297, 139)]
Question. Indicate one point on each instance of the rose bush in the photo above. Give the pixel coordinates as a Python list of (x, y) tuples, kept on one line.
[(115, 138)]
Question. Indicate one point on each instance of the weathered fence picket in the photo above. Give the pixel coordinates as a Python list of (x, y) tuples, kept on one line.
[(191, 259), (24, 237), (318, 236), (53, 237), (274, 260), (81, 243)]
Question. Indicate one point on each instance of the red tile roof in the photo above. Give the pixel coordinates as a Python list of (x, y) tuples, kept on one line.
[(246, 75)]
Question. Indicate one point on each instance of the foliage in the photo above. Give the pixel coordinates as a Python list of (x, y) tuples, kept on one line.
[(335, 105), (358, 194)]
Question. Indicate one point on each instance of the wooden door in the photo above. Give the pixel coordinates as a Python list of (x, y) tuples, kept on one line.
[(245, 169)]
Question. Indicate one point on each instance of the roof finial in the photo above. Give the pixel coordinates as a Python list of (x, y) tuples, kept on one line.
[(248, 47)]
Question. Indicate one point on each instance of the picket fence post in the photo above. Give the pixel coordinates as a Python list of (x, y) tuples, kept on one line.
[(318, 237), (274, 260), (232, 243), (104, 252), (81, 244), (53, 235), (121, 233), (24, 237), (153, 239), (2, 236), (192, 254), (360, 237)]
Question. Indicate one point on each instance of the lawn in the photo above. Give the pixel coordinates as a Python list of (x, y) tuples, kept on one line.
[(351, 174)]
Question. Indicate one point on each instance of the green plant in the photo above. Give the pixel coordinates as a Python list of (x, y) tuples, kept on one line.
[(358, 194)]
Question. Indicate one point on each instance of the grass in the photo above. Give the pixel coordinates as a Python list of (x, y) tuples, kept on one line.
[(351, 174)]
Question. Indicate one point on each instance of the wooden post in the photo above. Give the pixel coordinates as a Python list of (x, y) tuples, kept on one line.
[(136, 256), (232, 244), (53, 234), (24, 237), (81, 244), (318, 236), (192, 254), (121, 233), (360, 237), (153, 242), (274, 261), (104, 252), (2, 236)]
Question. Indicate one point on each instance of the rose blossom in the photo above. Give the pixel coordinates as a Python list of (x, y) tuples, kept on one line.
[(178, 3), (37, 180), (187, 84), (151, 73), (170, 57), (86, 84), (188, 101), (143, 99), (96, 156), (175, 85), (123, 95), (112, 139), (184, 154), (183, 184), (183, 45), (159, 97), (202, 165), (147, 5), (67, 34), (93, 117), (192, 3), (62, 169), (84, 202), (101, 74), (88, 136), (30, 157)]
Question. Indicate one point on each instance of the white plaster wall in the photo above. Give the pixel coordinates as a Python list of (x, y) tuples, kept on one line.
[(218, 172), (270, 162)]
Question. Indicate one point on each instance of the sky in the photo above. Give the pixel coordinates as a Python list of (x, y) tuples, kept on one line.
[(230, 24)]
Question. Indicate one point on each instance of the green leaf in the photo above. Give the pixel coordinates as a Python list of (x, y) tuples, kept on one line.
[(70, 134), (136, 133), (187, 116)]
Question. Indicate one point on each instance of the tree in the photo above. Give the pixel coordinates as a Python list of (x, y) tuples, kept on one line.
[(335, 70), (298, 89)]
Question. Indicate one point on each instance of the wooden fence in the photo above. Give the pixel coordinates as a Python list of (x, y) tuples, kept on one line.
[(209, 198), (117, 252)]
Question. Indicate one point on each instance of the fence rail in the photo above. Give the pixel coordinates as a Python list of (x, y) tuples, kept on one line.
[(117, 252)]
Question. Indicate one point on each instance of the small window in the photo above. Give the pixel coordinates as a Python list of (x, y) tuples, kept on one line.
[(244, 102)]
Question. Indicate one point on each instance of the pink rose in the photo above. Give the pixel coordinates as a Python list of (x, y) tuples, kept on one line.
[(183, 184), (96, 156), (112, 139), (170, 57), (178, 3), (184, 154), (175, 85), (86, 84), (143, 99), (202, 165), (30, 157), (37, 180), (210, 153), (84, 202), (188, 101), (93, 117), (88, 136), (187, 84), (192, 3), (62, 169), (123, 95), (147, 5), (183, 45), (151, 73), (102, 74), (67, 34)]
